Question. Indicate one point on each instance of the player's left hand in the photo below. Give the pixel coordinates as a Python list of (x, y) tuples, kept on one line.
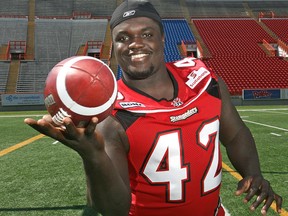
[(258, 186)]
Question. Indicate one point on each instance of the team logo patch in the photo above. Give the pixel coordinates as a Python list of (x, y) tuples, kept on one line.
[(177, 102), (185, 115), (196, 76), (126, 105)]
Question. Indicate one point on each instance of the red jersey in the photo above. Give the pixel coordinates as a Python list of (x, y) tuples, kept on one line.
[(174, 158)]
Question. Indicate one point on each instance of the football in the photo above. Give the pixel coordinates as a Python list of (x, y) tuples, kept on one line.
[(80, 87)]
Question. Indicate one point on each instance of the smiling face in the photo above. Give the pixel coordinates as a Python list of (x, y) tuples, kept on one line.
[(138, 47)]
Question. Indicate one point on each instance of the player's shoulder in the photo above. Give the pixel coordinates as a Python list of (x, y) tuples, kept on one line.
[(192, 71), (186, 64), (191, 68)]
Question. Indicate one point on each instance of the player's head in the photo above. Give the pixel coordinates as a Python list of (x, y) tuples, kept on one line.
[(135, 8), (138, 39)]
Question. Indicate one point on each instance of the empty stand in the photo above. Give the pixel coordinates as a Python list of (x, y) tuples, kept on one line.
[(32, 76), (54, 8), (279, 27), (237, 37), (96, 8), (168, 8), (237, 56), (87, 30), (14, 7), (278, 7), (250, 73), (216, 8), (176, 30), (57, 39), (13, 29), (52, 39), (4, 70)]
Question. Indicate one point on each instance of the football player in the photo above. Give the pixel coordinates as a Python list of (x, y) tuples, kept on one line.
[(159, 153)]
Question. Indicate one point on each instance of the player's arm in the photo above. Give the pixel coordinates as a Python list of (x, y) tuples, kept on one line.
[(237, 138), (104, 158), (242, 152), (108, 186)]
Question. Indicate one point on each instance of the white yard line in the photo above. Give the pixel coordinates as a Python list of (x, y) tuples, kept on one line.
[(275, 134), (275, 112), (266, 125), (244, 118), (262, 110), (19, 116)]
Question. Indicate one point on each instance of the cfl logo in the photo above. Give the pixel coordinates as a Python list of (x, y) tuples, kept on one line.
[(49, 100)]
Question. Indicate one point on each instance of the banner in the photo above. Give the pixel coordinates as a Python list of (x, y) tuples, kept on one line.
[(22, 99), (284, 93), (261, 94)]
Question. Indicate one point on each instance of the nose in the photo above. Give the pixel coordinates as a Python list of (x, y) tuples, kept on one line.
[(136, 42)]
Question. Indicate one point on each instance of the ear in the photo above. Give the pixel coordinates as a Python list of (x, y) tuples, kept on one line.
[(163, 39)]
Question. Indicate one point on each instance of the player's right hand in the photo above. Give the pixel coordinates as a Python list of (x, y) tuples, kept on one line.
[(83, 140)]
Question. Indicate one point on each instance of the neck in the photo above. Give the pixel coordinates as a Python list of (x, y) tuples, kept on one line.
[(158, 86)]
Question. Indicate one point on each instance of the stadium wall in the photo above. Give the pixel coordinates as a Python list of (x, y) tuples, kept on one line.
[(236, 100)]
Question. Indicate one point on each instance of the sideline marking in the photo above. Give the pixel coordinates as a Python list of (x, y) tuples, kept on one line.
[(265, 125), (260, 110), (236, 175), (21, 144), (275, 134), (20, 116)]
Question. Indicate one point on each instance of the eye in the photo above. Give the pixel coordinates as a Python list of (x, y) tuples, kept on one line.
[(147, 35), (122, 38)]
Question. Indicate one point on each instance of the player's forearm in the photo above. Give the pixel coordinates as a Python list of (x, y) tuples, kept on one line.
[(106, 191), (243, 154)]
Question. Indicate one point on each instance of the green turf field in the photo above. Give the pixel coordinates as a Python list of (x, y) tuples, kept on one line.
[(46, 178)]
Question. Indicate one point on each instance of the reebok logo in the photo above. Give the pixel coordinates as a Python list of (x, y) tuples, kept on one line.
[(129, 13)]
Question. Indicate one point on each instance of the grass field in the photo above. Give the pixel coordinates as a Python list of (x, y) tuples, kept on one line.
[(41, 177)]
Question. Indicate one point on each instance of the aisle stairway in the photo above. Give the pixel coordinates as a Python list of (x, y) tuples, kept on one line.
[(30, 53), (13, 76)]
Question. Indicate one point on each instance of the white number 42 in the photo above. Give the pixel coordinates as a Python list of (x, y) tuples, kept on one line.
[(168, 149)]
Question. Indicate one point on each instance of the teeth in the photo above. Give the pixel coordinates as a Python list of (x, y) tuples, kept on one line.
[(138, 56)]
